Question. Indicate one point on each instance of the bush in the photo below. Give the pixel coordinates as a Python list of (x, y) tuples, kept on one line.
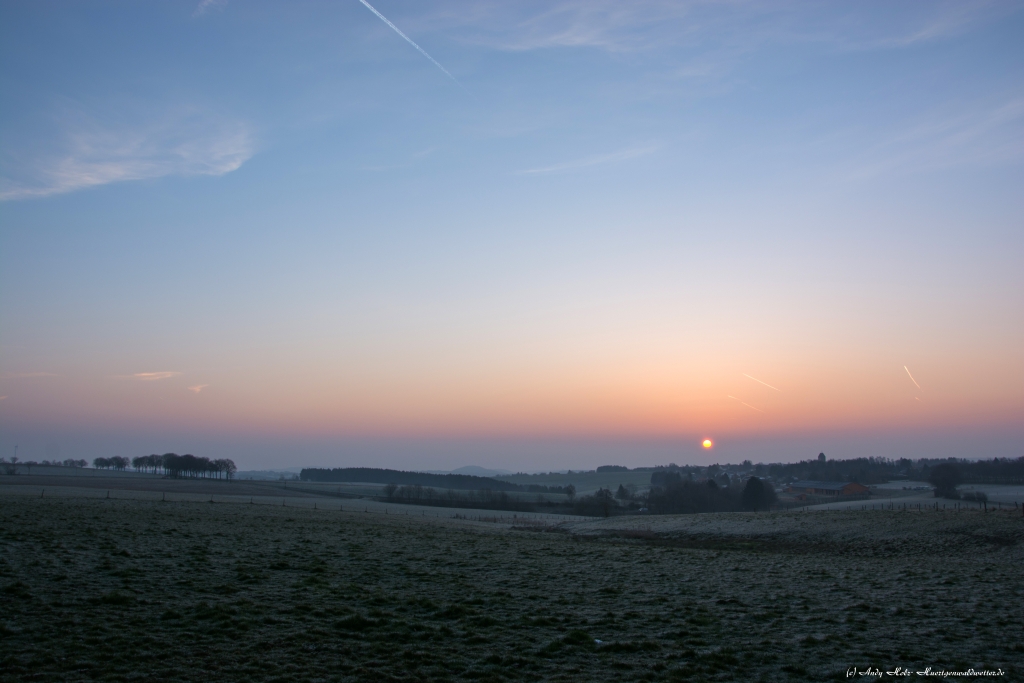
[(945, 478), (757, 495), (678, 495), (601, 504)]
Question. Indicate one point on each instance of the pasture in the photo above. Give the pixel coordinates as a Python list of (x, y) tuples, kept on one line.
[(119, 590)]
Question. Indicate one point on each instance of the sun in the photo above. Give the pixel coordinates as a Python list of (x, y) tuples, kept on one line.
[(707, 443)]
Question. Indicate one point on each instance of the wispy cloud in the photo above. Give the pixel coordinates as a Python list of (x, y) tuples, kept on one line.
[(642, 25), (152, 376), (208, 5), (604, 24), (587, 162), (931, 21), (2, 398), (198, 388), (706, 41), (979, 136), (85, 152)]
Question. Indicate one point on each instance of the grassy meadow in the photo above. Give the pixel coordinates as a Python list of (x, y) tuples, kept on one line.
[(118, 590)]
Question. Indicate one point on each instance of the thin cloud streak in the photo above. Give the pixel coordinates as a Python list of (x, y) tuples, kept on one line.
[(198, 388), (645, 25), (912, 378), (746, 404), (410, 41), (764, 383), (984, 136), (153, 376), (588, 162)]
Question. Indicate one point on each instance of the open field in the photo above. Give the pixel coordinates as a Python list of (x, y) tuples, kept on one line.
[(97, 589), (154, 484), (60, 471)]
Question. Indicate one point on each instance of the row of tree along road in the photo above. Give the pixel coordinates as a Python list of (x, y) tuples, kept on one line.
[(174, 465), (171, 465), (168, 464)]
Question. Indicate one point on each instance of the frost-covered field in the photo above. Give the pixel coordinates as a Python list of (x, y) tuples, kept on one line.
[(97, 589)]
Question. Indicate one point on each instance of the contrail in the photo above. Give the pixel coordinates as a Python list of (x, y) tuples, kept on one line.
[(409, 40), (764, 383), (912, 378), (747, 404)]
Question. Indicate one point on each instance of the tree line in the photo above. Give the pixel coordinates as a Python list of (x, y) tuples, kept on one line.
[(673, 493), (487, 499), (879, 470), (946, 476), (374, 475), (9, 467), (117, 462), (994, 471), (171, 465), (188, 465)]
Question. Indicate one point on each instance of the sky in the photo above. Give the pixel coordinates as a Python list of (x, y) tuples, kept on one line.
[(530, 235)]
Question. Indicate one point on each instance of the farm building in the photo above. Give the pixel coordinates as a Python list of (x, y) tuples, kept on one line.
[(827, 488)]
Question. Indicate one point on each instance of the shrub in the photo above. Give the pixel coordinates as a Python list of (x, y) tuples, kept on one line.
[(945, 478), (601, 504), (757, 495)]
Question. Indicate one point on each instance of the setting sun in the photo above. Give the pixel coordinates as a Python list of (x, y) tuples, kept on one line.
[(707, 443)]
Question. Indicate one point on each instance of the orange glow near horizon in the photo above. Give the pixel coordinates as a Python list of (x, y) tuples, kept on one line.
[(593, 391)]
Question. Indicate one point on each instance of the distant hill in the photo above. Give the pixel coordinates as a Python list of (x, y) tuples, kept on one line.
[(267, 475), (476, 471)]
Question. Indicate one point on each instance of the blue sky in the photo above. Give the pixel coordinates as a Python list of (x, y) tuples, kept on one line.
[(582, 239)]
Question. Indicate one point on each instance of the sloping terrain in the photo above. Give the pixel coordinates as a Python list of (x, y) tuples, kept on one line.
[(121, 590), (924, 532)]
